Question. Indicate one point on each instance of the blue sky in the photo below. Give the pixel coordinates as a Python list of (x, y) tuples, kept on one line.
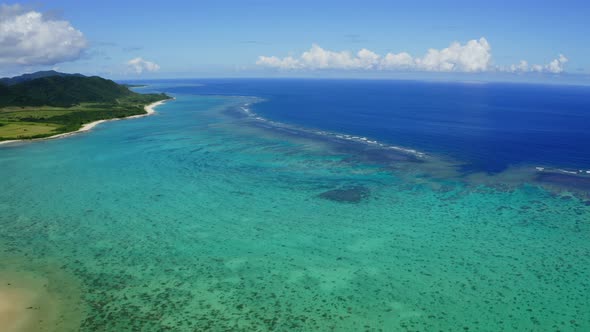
[(226, 38)]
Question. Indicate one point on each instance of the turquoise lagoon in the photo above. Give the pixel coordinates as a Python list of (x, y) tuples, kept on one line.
[(194, 219)]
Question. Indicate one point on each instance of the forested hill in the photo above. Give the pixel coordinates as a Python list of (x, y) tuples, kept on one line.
[(62, 91), (32, 76)]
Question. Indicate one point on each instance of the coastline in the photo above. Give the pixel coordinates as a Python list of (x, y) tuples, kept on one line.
[(150, 110)]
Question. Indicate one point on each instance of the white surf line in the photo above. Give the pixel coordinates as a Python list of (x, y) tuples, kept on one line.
[(358, 139)]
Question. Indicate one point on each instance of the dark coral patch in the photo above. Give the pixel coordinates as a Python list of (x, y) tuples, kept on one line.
[(578, 182), (346, 195)]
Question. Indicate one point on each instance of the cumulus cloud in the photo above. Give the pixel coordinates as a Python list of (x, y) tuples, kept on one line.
[(319, 58), (556, 66), (29, 38), (275, 62), (473, 56), (139, 65), (397, 61)]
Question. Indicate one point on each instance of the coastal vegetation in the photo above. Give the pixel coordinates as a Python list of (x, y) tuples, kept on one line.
[(50, 103)]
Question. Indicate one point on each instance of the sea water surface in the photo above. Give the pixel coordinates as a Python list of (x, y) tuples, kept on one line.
[(271, 205), (489, 126)]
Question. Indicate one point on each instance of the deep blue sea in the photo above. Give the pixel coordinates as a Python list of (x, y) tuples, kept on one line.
[(488, 127)]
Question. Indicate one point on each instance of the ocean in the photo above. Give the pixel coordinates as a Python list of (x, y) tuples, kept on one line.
[(488, 126), (310, 205)]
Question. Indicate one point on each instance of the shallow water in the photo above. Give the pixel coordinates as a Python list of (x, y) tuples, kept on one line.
[(193, 219)]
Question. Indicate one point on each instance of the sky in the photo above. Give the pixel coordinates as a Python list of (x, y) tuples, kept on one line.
[(468, 40)]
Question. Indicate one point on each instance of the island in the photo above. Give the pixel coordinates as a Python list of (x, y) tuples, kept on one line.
[(135, 85), (51, 104)]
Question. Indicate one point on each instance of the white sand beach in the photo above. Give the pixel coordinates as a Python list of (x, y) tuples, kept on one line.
[(17, 309), (29, 303), (150, 110)]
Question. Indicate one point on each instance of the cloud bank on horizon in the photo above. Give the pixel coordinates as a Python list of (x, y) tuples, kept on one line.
[(139, 65), (29, 38), (471, 57)]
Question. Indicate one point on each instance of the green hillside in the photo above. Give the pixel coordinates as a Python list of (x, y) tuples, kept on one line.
[(63, 91), (51, 105)]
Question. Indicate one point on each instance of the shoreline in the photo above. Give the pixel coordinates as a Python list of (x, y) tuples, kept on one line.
[(150, 110)]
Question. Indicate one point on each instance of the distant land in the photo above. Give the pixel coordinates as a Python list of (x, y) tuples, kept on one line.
[(49, 103), (134, 85), (32, 76)]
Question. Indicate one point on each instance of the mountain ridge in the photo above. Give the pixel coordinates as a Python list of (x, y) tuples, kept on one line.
[(31, 76)]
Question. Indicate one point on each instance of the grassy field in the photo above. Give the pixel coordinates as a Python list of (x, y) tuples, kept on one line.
[(18, 130), (44, 121)]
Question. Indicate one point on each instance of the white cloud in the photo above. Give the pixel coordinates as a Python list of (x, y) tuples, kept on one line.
[(473, 56), (556, 66), (319, 58), (367, 59), (29, 38), (523, 66), (397, 61), (139, 65), (273, 61)]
